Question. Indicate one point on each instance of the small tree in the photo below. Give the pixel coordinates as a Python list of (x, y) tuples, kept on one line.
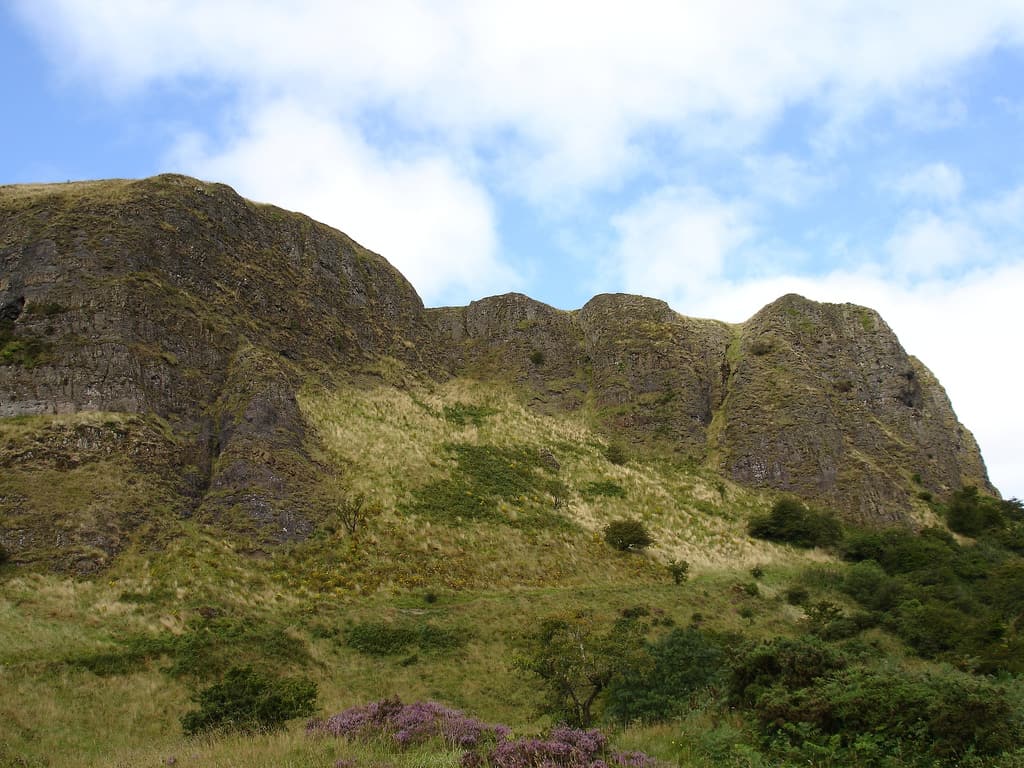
[(679, 570), (577, 662), (793, 522), (627, 535), (354, 511)]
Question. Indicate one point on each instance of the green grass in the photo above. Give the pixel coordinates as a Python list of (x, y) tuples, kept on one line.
[(426, 600)]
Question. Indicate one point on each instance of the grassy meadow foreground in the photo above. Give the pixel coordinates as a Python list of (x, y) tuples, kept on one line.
[(464, 562)]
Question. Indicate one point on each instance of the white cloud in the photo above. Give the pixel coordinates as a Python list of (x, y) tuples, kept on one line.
[(578, 84), (781, 178), (936, 182), (1005, 211), (927, 244), (419, 211), (677, 240)]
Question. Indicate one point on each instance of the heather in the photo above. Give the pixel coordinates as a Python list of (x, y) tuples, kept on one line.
[(482, 745)]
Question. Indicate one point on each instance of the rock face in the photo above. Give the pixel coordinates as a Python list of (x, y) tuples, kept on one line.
[(201, 313), (824, 402), (178, 299)]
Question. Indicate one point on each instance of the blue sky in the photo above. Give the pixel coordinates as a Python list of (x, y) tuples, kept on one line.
[(715, 155)]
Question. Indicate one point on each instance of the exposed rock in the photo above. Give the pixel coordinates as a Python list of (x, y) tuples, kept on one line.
[(203, 313)]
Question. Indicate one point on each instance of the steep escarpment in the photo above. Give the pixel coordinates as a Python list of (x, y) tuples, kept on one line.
[(179, 300), (158, 332), (824, 402)]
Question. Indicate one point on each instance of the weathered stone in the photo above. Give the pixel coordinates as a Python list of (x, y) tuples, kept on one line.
[(202, 312)]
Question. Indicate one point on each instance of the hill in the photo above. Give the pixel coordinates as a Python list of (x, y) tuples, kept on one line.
[(246, 476), (157, 334)]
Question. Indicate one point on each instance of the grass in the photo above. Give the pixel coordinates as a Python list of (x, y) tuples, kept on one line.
[(100, 670)]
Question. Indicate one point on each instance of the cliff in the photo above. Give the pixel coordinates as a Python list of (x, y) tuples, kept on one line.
[(157, 331)]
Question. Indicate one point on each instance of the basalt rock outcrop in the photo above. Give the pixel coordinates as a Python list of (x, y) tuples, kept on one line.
[(199, 315)]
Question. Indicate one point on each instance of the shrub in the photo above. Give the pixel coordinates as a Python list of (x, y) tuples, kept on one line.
[(797, 595), (679, 570), (627, 535), (603, 488), (792, 522), (246, 700), (4, 555), (789, 663), (883, 717), (383, 639), (537, 357), (406, 725), (616, 454), (972, 514), (683, 662)]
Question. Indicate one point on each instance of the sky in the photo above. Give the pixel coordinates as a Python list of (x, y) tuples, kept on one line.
[(716, 155)]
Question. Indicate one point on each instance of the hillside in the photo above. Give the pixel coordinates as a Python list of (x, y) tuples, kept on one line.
[(156, 334), (237, 454)]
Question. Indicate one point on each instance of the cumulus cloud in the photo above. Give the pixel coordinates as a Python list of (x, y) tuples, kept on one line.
[(397, 120), (578, 84), (676, 240), (418, 210)]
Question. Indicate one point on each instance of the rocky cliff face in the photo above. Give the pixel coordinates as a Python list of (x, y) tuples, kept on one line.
[(179, 300), (200, 313)]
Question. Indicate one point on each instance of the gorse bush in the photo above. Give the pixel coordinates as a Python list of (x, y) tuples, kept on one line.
[(627, 535), (792, 522), (945, 601), (247, 700)]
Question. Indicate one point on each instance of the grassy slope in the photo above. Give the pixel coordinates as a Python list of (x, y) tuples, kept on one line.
[(485, 582)]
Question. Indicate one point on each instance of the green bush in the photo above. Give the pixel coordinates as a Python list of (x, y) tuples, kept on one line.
[(616, 454), (972, 514), (249, 701), (679, 570), (383, 639), (797, 595), (789, 663), (899, 550), (792, 522), (682, 663), (627, 535), (862, 716)]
